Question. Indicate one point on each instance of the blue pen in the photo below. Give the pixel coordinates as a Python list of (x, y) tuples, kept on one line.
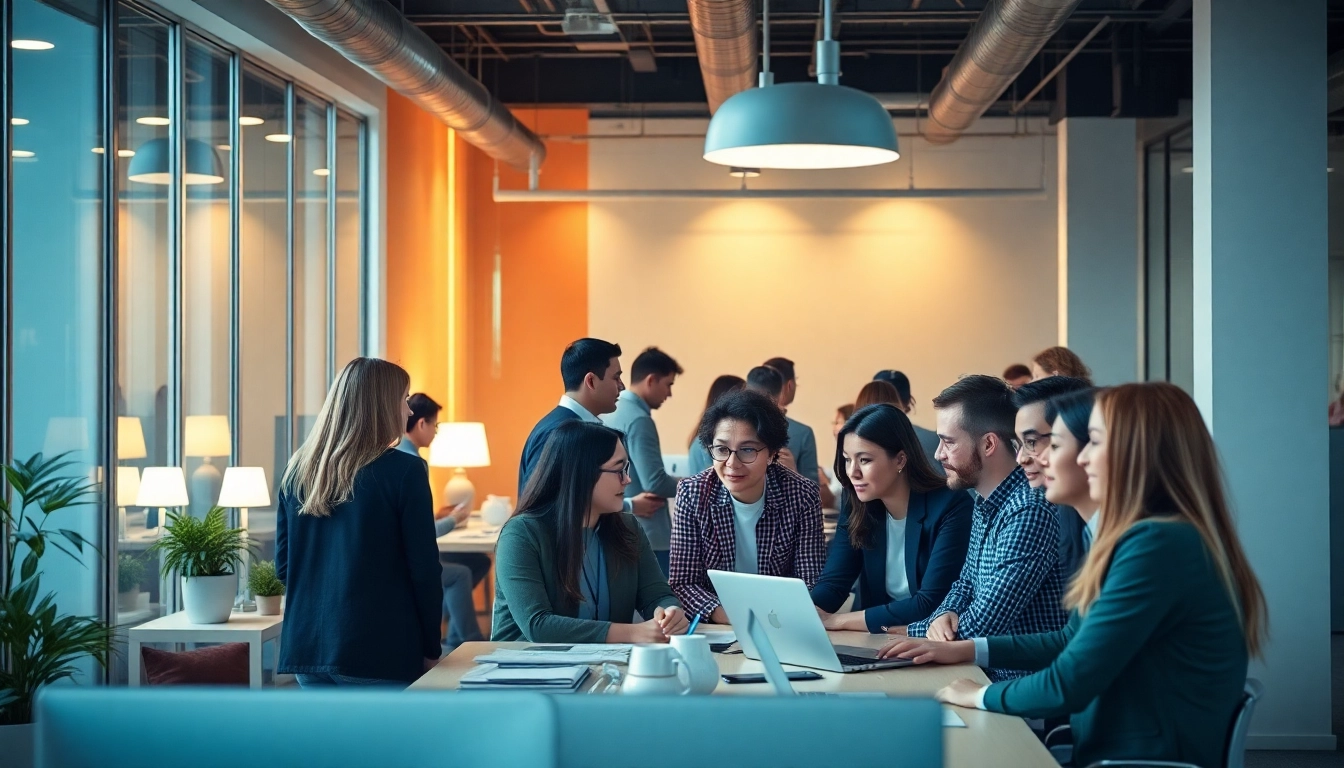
[(694, 623)]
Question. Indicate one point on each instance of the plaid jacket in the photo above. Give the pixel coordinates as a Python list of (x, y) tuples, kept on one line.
[(1012, 582), (789, 536)]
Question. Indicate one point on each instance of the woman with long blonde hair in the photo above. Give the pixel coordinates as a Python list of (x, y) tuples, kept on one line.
[(354, 541), (1166, 611)]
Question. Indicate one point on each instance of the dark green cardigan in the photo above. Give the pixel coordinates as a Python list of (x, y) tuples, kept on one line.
[(1156, 668), (528, 602)]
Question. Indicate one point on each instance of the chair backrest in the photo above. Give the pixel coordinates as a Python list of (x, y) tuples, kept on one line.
[(216, 728), (1241, 724), (748, 731)]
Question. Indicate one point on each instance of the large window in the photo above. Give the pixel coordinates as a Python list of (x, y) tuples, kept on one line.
[(186, 226)]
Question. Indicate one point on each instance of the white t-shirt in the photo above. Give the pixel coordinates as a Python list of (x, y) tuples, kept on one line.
[(898, 586), (745, 517)]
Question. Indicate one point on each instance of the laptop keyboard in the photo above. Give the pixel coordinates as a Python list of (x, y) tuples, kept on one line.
[(850, 660)]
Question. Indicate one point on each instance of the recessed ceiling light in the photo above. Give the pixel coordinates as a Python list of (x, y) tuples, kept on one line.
[(278, 138), (32, 45), (153, 120), (23, 153), (18, 121), (245, 120), (1328, 169), (125, 153), (223, 147), (321, 172), (1188, 169), (98, 150)]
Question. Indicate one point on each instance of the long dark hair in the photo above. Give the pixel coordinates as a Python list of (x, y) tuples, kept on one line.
[(560, 491), (721, 386), (887, 426), (1075, 408)]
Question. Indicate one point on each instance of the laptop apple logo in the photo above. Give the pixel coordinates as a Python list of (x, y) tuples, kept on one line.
[(773, 618)]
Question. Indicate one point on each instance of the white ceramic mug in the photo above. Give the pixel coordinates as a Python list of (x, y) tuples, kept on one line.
[(704, 670), (656, 670)]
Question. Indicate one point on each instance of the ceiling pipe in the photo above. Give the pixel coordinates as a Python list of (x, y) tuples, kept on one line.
[(535, 195), (1006, 37), (374, 35), (725, 43)]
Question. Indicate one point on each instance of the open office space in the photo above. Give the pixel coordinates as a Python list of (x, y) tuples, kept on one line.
[(591, 382)]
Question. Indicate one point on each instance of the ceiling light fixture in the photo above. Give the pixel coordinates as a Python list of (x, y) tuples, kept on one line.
[(278, 138), (245, 120), (321, 172), (744, 173), (153, 120), (98, 150), (18, 121), (801, 125), (223, 147), (22, 154), (150, 165), (32, 45), (125, 153)]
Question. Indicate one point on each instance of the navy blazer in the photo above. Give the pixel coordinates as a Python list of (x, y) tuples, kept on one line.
[(536, 441), (937, 532)]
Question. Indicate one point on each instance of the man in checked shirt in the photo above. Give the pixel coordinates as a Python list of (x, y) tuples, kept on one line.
[(1011, 583)]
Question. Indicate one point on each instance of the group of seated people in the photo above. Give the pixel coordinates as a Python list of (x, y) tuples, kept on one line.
[(1093, 569)]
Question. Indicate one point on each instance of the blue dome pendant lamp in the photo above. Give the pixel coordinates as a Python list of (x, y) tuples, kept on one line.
[(802, 126)]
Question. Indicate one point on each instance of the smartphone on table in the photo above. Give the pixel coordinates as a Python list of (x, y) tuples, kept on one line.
[(759, 677)]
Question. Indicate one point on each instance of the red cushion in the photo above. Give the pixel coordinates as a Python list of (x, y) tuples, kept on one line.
[(225, 664)]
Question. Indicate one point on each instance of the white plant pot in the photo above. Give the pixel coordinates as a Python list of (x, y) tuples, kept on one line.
[(208, 599), (17, 745), (128, 601), (269, 605)]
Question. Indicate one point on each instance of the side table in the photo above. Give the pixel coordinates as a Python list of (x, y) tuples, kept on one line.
[(249, 628)]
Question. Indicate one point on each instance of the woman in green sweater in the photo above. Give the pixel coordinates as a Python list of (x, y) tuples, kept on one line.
[(569, 566), (1165, 611)]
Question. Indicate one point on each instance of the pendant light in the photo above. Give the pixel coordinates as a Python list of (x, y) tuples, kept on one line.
[(150, 163), (802, 125)]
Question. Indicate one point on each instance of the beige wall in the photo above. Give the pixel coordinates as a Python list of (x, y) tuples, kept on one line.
[(936, 288)]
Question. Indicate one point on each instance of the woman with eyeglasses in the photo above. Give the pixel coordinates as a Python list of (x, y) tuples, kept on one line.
[(570, 568), (906, 543), (745, 513)]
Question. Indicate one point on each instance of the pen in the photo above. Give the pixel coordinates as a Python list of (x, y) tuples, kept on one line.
[(694, 623)]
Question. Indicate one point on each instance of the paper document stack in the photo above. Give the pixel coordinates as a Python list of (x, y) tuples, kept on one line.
[(492, 677), (557, 655)]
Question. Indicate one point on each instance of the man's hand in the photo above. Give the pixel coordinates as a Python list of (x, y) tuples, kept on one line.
[(930, 651), (944, 627), (645, 504)]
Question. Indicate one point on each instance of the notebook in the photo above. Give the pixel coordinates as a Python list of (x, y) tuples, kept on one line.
[(492, 677)]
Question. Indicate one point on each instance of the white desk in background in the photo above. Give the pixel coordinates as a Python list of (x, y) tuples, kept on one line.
[(251, 628)]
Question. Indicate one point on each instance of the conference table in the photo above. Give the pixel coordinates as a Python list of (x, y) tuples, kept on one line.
[(988, 739)]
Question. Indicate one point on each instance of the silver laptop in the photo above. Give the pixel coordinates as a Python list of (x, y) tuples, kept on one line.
[(790, 621)]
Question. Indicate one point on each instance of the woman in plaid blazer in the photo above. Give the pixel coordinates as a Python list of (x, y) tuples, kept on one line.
[(746, 513)]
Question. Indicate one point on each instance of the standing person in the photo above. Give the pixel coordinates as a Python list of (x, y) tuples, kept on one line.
[(462, 571), (827, 483), (354, 541), (1033, 428), (572, 569), (1065, 481), (697, 458), (652, 376), (748, 514), (770, 382), (802, 440), (1059, 361), (591, 372), (1165, 614), (903, 533), (928, 439), (1010, 583), (1016, 375)]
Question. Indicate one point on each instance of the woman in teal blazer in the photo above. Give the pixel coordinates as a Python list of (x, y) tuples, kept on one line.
[(1166, 609), (569, 566)]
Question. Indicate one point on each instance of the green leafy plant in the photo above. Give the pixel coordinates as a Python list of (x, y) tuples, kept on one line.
[(200, 546), (130, 572), (39, 646), (263, 581)]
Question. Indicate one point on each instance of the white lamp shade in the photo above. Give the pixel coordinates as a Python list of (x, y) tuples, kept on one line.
[(128, 486), (130, 438), (208, 436), (459, 444), (244, 488), (66, 433), (162, 487)]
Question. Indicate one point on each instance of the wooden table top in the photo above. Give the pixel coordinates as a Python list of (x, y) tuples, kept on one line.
[(474, 536), (988, 738)]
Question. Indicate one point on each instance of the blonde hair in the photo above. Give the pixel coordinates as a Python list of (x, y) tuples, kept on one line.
[(1161, 464), (360, 419)]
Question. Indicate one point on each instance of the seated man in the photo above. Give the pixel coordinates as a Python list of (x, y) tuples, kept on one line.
[(1010, 584)]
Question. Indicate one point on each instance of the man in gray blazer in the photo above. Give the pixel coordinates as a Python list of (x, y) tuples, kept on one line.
[(651, 380)]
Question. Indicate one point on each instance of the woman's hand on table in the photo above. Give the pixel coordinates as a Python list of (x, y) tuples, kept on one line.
[(671, 620), (922, 651), (853, 621), (962, 693)]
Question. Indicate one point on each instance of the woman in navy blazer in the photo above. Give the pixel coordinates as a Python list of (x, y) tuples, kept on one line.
[(901, 501)]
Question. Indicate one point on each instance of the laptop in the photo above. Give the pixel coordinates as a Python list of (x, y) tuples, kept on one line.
[(774, 671), (790, 621)]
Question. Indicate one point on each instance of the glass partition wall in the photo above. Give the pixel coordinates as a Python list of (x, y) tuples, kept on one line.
[(1169, 280), (183, 271)]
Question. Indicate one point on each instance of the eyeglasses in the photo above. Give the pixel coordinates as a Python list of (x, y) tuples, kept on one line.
[(746, 455), (1035, 444), (623, 470)]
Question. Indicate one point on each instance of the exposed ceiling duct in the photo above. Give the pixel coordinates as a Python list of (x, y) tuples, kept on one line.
[(374, 35), (725, 43), (1006, 37)]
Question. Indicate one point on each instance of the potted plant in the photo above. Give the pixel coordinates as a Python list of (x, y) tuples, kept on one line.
[(266, 587), (205, 553), (130, 572), (39, 645)]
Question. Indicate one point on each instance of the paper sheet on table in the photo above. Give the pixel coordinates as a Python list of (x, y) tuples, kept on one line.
[(719, 637), (951, 719), (562, 655)]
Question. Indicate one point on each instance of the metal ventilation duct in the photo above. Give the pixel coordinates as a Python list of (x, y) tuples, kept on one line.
[(374, 35), (725, 42), (1008, 34)]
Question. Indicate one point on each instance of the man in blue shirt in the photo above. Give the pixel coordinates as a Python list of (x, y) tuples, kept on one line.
[(652, 376), (802, 440)]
